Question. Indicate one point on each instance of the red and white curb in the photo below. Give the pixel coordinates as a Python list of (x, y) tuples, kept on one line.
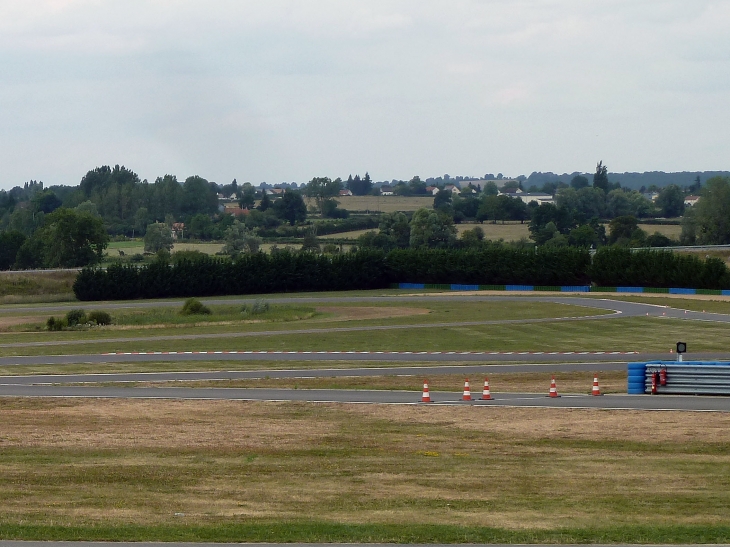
[(375, 353)]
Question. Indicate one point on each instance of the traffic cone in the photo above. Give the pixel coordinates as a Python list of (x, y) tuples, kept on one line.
[(596, 390), (426, 397), (553, 389), (467, 391), (485, 394)]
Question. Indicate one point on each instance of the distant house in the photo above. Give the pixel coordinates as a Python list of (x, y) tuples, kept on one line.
[(690, 201), (452, 188), (540, 197), (274, 191), (386, 190), (235, 210), (511, 192), (178, 230), (345, 192), (433, 190), (651, 196)]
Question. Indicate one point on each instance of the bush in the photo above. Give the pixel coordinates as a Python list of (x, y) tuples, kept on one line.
[(75, 317), (193, 306), (100, 317), (56, 324), (258, 307)]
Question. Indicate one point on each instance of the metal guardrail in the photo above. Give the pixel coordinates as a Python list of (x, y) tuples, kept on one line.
[(680, 378)]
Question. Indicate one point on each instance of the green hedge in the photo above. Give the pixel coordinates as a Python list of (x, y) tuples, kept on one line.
[(371, 269), (613, 266)]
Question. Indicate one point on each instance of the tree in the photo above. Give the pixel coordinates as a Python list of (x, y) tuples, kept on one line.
[(89, 207), (396, 228), (291, 207), (200, 226), (141, 220), (240, 239), (430, 229), (322, 189), (546, 214), (578, 182), (600, 178), (158, 236), (671, 201), (622, 229), (67, 239), (360, 186), (711, 214), (45, 201), (490, 189), (265, 201), (442, 199), (199, 196), (247, 197), (10, 243)]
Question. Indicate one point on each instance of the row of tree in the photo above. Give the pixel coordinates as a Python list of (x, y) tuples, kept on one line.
[(284, 271)]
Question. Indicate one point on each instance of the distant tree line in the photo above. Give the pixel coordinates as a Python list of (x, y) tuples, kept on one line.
[(284, 271)]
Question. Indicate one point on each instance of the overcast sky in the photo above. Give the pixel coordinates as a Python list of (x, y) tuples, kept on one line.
[(277, 90)]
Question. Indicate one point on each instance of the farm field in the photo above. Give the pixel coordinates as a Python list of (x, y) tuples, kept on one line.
[(243, 471), (384, 204), (672, 231)]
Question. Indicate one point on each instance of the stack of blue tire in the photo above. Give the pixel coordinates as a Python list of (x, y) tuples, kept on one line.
[(637, 378)]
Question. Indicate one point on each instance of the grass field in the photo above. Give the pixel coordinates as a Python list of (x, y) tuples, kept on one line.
[(672, 231), (532, 382), (237, 471), (254, 471), (51, 286), (384, 204)]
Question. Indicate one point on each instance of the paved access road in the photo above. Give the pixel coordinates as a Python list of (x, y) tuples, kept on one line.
[(612, 402)]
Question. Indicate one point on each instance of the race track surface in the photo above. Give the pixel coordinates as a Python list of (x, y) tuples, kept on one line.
[(609, 402)]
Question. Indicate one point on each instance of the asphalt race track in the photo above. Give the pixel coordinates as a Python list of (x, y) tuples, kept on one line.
[(545, 362)]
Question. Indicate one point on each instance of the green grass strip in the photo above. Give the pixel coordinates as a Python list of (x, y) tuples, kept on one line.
[(547, 288), (323, 532), (603, 289), (709, 291), (656, 290)]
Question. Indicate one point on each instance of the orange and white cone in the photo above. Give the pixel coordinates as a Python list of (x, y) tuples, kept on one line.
[(486, 396), (426, 397), (467, 391), (553, 389), (596, 390)]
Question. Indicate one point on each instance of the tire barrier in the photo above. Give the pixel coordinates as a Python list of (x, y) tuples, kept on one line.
[(679, 378), (577, 288)]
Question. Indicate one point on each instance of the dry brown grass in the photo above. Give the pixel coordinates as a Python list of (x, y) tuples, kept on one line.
[(351, 313), (86, 461), (18, 288), (672, 231), (384, 204), (510, 231)]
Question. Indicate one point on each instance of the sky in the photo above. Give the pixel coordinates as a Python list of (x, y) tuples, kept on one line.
[(286, 90)]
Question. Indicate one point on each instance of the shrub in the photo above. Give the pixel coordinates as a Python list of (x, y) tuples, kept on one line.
[(75, 317), (56, 324), (193, 306), (100, 317), (258, 307)]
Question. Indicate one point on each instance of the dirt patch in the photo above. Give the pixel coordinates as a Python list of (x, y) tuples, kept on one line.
[(6, 322), (361, 313)]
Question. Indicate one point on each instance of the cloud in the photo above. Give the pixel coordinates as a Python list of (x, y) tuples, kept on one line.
[(290, 89)]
